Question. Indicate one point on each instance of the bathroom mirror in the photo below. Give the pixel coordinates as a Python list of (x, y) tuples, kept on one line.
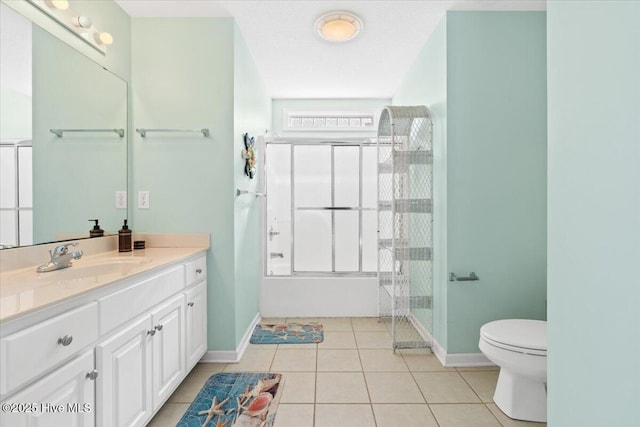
[(51, 185)]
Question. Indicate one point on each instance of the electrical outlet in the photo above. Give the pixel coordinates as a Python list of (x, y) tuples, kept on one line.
[(143, 199), (121, 200)]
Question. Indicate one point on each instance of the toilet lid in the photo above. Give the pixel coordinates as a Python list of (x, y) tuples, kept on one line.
[(521, 333)]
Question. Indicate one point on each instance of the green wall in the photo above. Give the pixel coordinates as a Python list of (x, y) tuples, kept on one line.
[(200, 75), (496, 170), (252, 115), (183, 79), (426, 84), (594, 213), (490, 161)]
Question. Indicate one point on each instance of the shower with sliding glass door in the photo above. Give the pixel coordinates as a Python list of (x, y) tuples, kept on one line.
[(320, 225)]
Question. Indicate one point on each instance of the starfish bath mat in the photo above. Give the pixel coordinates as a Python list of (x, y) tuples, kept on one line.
[(235, 399), (291, 333)]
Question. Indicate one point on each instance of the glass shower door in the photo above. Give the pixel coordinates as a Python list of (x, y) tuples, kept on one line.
[(321, 208)]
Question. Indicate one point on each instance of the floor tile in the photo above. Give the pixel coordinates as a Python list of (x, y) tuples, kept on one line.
[(335, 323), (289, 415), (445, 387), (168, 415), (209, 367), (299, 387), (339, 360), (382, 361), (483, 383), (341, 387), (510, 422), (462, 415), (406, 415), (374, 340), (298, 346), (422, 360), (263, 346), (393, 387), (344, 416), (368, 324), (338, 339), (294, 360), (189, 388), (477, 368), (253, 360)]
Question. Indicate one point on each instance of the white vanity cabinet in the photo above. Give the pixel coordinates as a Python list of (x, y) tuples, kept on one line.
[(112, 359), (66, 397), (196, 323), (196, 311), (124, 382), (168, 349)]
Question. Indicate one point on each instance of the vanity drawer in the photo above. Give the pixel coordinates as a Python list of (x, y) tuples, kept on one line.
[(130, 302), (196, 270), (32, 351)]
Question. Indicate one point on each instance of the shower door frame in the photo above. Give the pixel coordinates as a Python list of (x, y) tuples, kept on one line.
[(337, 142)]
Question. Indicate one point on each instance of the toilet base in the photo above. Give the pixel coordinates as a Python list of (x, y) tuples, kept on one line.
[(521, 398)]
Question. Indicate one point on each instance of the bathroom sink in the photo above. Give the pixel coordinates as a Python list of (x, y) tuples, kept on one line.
[(114, 266)]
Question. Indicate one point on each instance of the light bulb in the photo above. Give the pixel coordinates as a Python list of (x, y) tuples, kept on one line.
[(58, 4), (82, 21), (104, 38)]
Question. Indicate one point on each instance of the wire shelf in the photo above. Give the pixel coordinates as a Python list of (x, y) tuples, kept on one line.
[(405, 224)]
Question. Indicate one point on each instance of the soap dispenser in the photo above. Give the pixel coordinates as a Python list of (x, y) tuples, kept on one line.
[(96, 231), (124, 238)]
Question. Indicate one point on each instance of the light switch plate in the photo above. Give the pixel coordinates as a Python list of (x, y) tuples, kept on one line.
[(121, 200), (143, 199)]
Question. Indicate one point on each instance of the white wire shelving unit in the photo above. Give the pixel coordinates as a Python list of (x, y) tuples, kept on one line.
[(405, 224)]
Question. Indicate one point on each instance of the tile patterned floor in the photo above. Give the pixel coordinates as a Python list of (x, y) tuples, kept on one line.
[(353, 379)]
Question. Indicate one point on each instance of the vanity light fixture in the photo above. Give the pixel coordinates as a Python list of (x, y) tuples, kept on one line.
[(338, 26), (103, 38), (78, 24), (58, 4), (82, 21)]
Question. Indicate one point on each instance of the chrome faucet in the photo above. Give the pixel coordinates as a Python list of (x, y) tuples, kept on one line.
[(60, 258)]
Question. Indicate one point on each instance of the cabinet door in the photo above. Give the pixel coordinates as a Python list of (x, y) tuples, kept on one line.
[(196, 323), (66, 397), (168, 349), (124, 383)]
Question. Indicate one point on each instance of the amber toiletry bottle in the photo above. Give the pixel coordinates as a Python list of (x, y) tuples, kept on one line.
[(96, 231), (124, 238)]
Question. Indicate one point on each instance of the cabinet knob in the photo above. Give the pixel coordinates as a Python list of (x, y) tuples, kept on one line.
[(159, 327), (65, 340), (190, 304), (93, 374), (151, 332), (198, 270)]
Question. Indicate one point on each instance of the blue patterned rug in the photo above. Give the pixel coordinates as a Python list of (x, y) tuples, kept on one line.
[(229, 399), (291, 333)]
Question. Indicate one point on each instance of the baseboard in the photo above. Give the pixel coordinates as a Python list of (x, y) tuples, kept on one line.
[(453, 359), (231, 356)]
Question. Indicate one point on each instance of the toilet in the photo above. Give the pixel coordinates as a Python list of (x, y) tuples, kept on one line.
[(519, 348)]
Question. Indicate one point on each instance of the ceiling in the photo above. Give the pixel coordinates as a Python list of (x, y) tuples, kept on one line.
[(296, 63)]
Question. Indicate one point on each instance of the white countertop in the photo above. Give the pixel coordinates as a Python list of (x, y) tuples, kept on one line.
[(24, 291)]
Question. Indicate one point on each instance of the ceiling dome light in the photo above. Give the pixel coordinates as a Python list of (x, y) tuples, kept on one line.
[(338, 26)]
